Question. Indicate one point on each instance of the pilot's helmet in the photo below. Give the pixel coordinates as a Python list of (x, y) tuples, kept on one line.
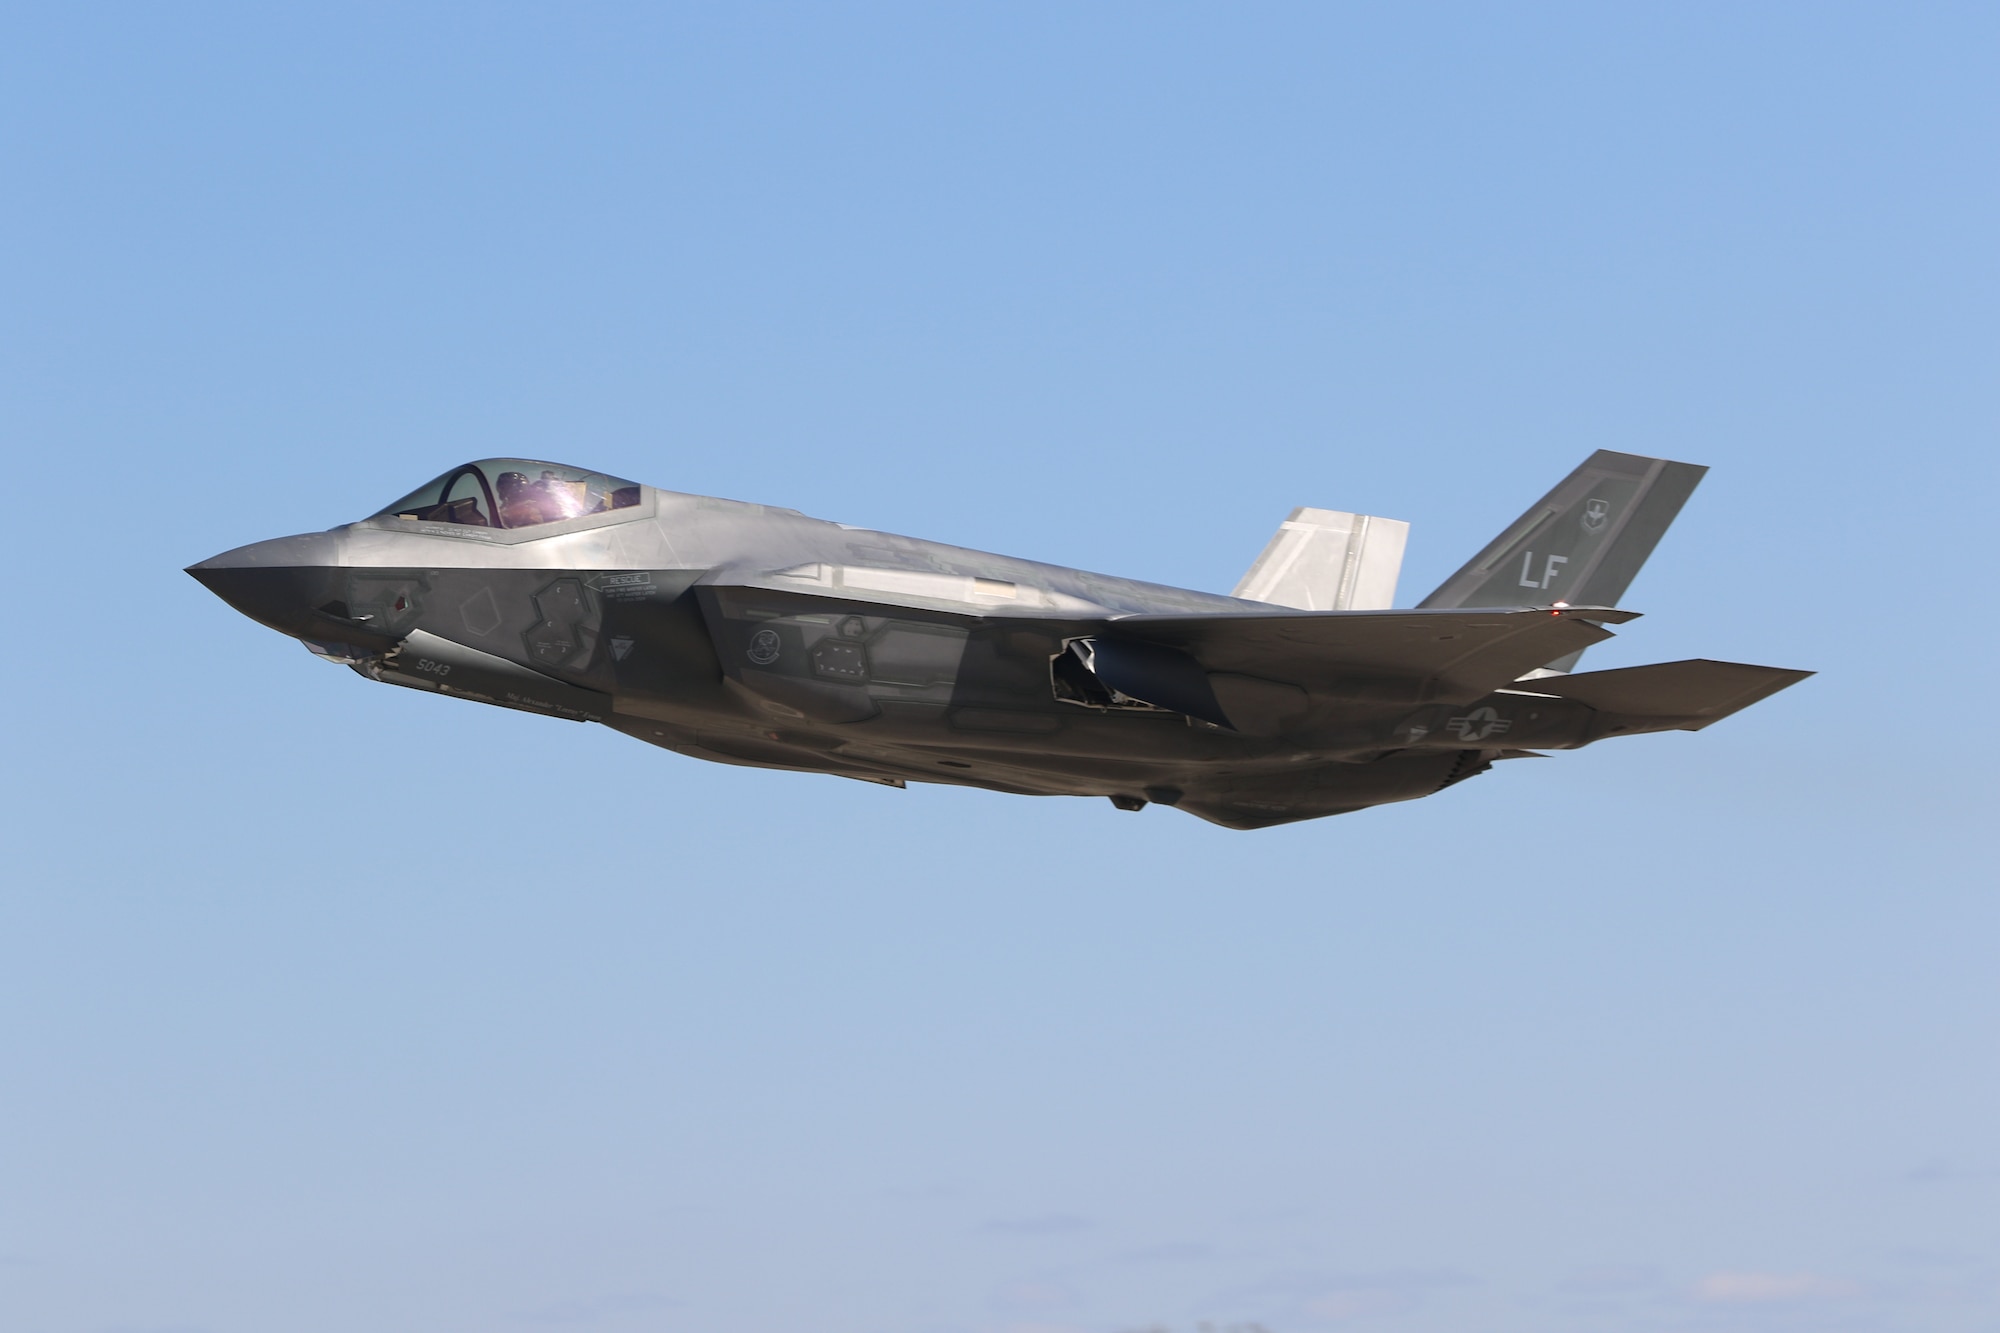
[(511, 485)]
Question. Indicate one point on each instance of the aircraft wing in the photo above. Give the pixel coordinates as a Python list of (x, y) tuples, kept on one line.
[(1453, 654), (1444, 655)]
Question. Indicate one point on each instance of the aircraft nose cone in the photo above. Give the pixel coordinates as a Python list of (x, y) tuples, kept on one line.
[(308, 548), (281, 583), (279, 598)]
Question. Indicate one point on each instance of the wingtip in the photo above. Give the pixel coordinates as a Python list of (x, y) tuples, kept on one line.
[(1600, 615)]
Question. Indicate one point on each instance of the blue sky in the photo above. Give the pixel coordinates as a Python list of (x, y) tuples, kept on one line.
[(326, 1007)]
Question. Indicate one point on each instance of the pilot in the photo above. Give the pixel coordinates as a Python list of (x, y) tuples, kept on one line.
[(562, 499), (520, 501), (547, 499)]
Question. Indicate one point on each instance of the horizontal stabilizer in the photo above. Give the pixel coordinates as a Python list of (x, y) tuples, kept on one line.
[(1329, 560), (1698, 690)]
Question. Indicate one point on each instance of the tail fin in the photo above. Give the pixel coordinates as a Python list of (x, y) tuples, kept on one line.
[(1582, 542), (1328, 560)]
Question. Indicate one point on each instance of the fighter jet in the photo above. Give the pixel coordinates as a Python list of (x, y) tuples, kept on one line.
[(754, 635)]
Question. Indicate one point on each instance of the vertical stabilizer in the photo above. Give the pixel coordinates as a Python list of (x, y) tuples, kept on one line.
[(1327, 560), (1582, 543)]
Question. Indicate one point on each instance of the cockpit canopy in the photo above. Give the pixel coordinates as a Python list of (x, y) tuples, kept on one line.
[(514, 493)]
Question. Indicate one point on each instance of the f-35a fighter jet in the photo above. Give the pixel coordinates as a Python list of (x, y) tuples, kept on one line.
[(752, 635)]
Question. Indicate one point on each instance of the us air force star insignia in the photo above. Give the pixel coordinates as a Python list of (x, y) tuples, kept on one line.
[(1478, 725)]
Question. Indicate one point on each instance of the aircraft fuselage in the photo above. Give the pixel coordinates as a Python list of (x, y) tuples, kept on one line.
[(752, 635)]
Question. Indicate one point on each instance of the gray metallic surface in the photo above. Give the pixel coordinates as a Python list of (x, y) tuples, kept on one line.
[(1329, 560), (1582, 543), (751, 635)]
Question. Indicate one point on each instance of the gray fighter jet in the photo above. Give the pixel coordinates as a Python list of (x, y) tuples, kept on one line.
[(753, 635)]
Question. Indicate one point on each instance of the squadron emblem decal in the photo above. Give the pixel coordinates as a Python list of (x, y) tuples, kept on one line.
[(1596, 513)]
